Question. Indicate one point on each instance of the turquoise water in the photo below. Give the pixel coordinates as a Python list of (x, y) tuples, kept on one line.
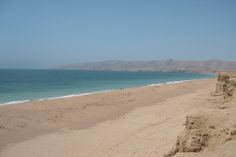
[(20, 85)]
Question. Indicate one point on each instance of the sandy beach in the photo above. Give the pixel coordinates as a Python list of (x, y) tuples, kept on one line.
[(135, 122), (117, 78)]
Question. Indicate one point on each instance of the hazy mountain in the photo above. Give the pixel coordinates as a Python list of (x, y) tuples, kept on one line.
[(156, 65)]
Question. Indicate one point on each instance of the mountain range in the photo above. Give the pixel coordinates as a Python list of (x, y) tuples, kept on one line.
[(169, 65)]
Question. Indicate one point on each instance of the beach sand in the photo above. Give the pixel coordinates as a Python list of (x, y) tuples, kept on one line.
[(135, 122)]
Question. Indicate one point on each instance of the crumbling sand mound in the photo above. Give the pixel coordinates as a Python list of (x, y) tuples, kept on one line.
[(206, 133), (222, 77), (226, 86), (194, 137)]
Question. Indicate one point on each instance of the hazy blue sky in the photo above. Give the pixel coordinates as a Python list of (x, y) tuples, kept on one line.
[(43, 33)]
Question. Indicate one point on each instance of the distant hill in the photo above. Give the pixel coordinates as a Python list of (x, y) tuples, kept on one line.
[(156, 65)]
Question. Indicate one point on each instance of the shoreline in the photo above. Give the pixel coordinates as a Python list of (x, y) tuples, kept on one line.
[(139, 119), (29, 120), (93, 92)]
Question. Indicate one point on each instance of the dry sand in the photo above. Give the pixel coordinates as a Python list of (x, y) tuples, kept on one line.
[(123, 123)]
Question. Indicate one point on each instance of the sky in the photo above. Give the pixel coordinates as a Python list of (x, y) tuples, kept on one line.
[(45, 33)]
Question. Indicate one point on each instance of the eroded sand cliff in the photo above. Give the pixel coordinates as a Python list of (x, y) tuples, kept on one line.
[(209, 131)]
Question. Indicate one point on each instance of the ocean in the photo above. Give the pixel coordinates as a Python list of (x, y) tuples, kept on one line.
[(25, 85)]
